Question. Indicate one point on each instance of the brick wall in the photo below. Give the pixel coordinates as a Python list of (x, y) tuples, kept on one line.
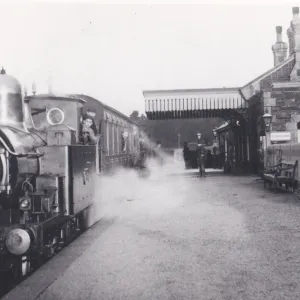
[(286, 110)]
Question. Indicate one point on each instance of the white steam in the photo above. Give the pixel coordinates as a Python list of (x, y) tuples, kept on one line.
[(148, 191)]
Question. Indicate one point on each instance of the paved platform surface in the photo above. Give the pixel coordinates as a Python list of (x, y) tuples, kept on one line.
[(180, 237)]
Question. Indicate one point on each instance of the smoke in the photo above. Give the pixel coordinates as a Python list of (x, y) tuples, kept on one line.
[(165, 198), (144, 192)]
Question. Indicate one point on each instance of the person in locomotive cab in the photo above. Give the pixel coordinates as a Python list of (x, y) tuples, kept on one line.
[(88, 130)]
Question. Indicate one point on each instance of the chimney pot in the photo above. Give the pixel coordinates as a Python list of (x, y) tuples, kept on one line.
[(295, 10), (279, 48), (279, 34), (279, 29)]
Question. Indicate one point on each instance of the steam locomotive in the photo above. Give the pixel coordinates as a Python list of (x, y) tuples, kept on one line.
[(47, 175)]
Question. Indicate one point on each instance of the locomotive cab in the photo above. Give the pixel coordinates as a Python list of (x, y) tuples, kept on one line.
[(52, 110), (61, 135), (59, 117)]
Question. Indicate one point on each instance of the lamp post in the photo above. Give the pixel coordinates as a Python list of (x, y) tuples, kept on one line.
[(267, 117), (199, 137), (215, 135), (214, 148), (214, 132)]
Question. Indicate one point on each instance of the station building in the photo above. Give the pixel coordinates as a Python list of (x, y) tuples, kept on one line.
[(243, 137)]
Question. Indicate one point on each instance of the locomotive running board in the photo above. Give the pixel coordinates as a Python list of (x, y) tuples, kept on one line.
[(55, 220)]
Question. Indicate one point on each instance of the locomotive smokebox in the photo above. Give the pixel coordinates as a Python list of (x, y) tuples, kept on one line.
[(11, 102)]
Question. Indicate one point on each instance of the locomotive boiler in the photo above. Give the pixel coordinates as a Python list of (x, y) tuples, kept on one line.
[(47, 175)]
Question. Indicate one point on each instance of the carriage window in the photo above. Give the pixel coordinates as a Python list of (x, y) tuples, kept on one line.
[(117, 139), (124, 141), (113, 139), (107, 137), (130, 141), (134, 138)]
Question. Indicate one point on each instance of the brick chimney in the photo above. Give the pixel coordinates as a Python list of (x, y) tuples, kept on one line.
[(279, 48), (293, 32), (290, 34), (294, 43)]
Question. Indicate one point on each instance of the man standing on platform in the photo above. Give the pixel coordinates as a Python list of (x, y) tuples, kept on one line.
[(200, 155), (216, 153)]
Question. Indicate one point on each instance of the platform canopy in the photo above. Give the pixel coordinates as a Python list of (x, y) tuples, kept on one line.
[(193, 103)]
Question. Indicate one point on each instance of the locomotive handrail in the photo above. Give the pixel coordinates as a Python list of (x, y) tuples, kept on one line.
[(30, 131), (31, 155)]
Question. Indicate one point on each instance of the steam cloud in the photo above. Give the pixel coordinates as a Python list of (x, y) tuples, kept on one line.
[(129, 191)]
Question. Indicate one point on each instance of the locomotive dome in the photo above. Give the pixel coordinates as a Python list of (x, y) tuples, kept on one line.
[(9, 83), (11, 101)]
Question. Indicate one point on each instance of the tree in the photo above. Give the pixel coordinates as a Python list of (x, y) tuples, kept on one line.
[(134, 116), (167, 130)]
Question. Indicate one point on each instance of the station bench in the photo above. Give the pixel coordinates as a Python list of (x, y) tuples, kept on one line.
[(282, 173)]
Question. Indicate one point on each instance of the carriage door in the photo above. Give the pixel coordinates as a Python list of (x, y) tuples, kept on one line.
[(99, 155)]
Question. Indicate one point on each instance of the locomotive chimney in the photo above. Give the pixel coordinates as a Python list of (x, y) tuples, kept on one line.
[(11, 102)]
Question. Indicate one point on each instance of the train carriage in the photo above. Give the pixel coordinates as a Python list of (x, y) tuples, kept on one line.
[(119, 135)]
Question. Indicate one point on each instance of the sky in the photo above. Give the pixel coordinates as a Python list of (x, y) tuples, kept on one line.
[(115, 51)]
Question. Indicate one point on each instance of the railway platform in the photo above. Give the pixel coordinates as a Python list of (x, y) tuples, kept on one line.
[(180, 237)]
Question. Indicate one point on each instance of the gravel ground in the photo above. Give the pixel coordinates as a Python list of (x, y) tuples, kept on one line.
[(184, 237)]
